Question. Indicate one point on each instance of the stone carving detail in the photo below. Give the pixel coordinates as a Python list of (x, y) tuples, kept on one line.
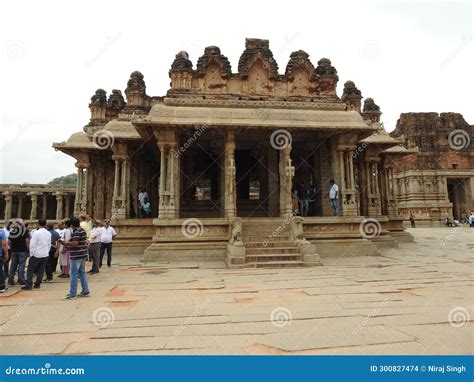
[(98, 108), (325, 69), (236, 231), (181, 72), (326, 78), (212, 55), (137, 100), (181, 63), (429, 133), (136, 83), (248, 103), (301, 74), (299, 60), (99, 98), (257, 75), (256, 48), (371, 111), (351, 96), (297, 228), (115, 104), (370, 106)]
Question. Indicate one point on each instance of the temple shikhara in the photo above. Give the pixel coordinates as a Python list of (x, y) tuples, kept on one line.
[(437, 181), (221, 154)]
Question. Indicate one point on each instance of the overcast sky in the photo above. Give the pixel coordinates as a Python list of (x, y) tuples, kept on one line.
[(54, 54)]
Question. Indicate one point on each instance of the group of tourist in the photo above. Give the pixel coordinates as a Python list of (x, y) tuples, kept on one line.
[(467, 219), (39, 251), (304, 199)]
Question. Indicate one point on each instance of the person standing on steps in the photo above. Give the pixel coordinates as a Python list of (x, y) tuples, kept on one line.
[(334, 197)]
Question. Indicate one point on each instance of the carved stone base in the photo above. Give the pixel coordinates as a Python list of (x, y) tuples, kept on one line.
[(309, 253), (235, 255), (197, 251), (118, 213)]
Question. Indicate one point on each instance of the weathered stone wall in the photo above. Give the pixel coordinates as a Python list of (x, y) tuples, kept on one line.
[(445, 161)]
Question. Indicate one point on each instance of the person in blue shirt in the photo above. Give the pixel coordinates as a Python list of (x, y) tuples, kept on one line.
[(146, 206), (3, 241)]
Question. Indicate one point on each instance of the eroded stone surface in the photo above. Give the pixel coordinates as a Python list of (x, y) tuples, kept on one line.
[(405, 302)]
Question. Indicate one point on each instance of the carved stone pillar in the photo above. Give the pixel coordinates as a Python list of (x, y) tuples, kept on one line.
[(80, 202), (392, 205), (19, 213), (373, 194), (121, 192), (7, 195), (273, 185), (230, 199), (59, 205), (342, 170), (67, 206), (34, 204), (169, 181), (287, 171), (347, 190), (44, 212)]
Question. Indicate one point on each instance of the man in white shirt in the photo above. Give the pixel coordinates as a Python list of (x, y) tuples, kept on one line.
[(334, 197), (94, 247), (40, 245), (108, 234), (61, 229)]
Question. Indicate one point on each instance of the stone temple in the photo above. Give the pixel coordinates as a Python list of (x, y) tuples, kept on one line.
[(436, 181), (221, 152)]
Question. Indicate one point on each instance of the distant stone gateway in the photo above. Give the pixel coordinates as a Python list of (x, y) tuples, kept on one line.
[(222, 154)]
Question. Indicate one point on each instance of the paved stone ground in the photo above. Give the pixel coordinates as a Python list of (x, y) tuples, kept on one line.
[(413, 300)]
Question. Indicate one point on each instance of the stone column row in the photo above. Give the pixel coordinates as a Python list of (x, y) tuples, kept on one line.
[(61, 198)]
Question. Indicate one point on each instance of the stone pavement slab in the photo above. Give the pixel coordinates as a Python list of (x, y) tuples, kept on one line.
[(416, 299)]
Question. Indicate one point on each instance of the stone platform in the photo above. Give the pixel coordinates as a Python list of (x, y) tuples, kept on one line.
[(272, 241), (414, 299)]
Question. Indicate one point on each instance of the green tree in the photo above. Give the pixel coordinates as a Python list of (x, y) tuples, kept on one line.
[(64, 181)]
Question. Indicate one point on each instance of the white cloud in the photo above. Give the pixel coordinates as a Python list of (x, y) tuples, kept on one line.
[(408, 57)]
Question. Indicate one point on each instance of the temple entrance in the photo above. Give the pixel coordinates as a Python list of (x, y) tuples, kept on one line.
[(252, 184), (201, 185), (307, 174), (457, 196)]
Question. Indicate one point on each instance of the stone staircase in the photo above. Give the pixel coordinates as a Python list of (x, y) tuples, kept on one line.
[(268, 244)]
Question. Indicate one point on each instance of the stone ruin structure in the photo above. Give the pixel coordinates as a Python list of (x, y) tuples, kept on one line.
[(221, 152), (35, 201), (437, 180)]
